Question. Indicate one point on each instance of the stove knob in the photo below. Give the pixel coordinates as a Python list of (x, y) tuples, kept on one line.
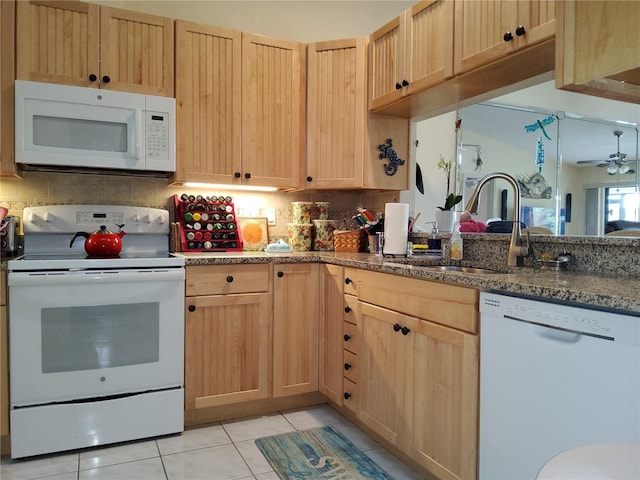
[(32, 217), (160, 220), (47, 217), (146, 219), (136, 217)]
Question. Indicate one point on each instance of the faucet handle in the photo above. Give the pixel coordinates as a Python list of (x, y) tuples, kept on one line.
[(527, 248)]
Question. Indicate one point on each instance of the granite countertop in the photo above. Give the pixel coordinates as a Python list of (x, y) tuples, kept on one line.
[(594, 290)]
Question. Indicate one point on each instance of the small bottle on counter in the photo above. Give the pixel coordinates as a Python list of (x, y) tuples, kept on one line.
[(455, 244)]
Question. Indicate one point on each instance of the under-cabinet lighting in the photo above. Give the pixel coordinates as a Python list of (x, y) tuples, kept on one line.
[(217, 186)]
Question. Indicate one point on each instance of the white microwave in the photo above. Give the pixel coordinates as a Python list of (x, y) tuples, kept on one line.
[(67, 126)]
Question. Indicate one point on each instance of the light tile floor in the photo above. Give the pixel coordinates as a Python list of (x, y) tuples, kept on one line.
[(220, 451)]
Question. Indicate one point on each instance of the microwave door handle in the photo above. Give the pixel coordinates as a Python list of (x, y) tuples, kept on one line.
[(139, 117)]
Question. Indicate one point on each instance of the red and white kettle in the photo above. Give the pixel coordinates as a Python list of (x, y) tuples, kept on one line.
[(101, 243)]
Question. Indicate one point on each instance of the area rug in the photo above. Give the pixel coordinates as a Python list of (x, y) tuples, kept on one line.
[(318, 454)]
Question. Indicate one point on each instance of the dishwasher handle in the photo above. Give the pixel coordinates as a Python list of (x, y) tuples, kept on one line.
[(567, 335)]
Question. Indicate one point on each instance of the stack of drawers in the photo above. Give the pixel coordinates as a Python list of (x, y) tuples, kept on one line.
[(351, 345)]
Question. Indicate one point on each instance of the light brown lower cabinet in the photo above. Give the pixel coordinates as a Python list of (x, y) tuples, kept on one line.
[(227, 335), (296, 306), (331, 333)]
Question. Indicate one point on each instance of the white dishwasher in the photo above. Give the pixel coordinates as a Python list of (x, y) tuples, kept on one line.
[(553, 377)]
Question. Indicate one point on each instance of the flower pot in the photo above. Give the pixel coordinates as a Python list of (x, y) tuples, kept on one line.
[(446, 220)]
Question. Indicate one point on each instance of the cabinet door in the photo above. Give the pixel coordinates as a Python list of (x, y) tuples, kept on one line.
[(7, 74), (442, 399), (136, 52), (295, 328), (227, 349), (331, 332), (4, 358), (382, 372), (273, 113), (57, 42), (336, 113), (429, 43), (208, 103), (479, 32), (386, 63)]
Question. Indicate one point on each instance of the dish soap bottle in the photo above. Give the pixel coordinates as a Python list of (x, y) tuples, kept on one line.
[(455, 244)]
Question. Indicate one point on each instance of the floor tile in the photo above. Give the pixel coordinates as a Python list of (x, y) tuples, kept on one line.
[(392, 465), (128, 452), (268, 476), (194, 438), (256, 427), (253, 457), (356, 436), (149, 469), (37, 467), (213, 463), (312, 417)]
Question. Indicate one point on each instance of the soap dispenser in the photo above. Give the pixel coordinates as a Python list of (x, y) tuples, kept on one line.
[(455, 244)]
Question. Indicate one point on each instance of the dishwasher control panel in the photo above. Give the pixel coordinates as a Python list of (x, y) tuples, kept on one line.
[(608, 325)]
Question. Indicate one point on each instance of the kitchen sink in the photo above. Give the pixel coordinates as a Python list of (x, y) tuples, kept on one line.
[(457, 268)]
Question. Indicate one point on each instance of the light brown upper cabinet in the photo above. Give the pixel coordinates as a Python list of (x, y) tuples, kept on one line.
[(208, 103), (342, 138), (83, 44), (8, 168), (598, 48), (412, 52), (240, 107), (273, 110), (490, 30)]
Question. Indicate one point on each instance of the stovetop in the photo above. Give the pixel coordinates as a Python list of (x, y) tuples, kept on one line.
[(77, 261)]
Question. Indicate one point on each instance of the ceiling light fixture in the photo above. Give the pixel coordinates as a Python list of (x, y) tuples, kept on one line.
[(612, 169), (217, 186)]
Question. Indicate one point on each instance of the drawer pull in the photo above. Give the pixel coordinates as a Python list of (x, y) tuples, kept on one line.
[(230, 278), (397, 327), (347, 366), (520, 31), (405, 330), (191, 308), (280, 274), (347, 281), (347, 337), (346, 395), (347, 309)]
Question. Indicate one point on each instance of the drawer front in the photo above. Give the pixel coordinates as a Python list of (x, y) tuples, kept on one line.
[(350, 309), (351, 338), (224, 279), (351, 367), (350, 281), (351, 396)]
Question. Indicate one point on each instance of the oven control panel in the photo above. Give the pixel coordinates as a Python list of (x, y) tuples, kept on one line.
[(74, 218)]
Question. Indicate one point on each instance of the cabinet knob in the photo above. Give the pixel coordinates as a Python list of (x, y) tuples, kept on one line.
[(346, 395), (309, 178), (93, 77), (230, 278), (405, 83), (508, 36), (405, 330), (106, 79), (347, 280), (347, 366), (280, 274), (397, 327), (520, 31), (191, 308), (398, 86), (247, 175), (347, 309), (347, 337), (237, 174)]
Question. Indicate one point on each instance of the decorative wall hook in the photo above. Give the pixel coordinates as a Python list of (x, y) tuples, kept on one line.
[(388, 152)]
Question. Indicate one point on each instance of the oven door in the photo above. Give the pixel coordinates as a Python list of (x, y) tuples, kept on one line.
[(87, 334)]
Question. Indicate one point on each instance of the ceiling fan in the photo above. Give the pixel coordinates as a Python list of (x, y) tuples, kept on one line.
[(616, 163)]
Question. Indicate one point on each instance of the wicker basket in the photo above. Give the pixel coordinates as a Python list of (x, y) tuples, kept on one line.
[(350, 241)]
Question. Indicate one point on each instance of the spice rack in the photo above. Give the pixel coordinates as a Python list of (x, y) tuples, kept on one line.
[(207, 223)]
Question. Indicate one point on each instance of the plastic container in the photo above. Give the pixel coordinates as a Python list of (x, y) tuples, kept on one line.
[(455, 244)]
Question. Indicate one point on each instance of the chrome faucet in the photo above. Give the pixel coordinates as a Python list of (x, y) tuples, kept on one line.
[(518, 249)]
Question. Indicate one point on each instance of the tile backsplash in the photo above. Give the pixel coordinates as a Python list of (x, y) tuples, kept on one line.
[(55, 188)]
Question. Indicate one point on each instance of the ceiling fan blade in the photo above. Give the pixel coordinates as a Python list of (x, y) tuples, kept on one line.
[(589, 162)]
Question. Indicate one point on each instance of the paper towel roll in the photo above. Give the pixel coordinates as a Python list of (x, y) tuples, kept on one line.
[(396, 223)]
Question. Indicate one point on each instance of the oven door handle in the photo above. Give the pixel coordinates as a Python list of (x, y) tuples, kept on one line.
[(29, 279)]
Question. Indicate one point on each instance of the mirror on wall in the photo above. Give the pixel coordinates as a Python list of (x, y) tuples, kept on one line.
[(578, 173)]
